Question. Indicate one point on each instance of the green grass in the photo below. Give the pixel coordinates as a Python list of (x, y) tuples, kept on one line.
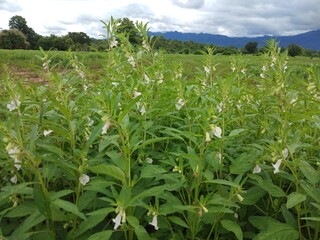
[(31, 60)]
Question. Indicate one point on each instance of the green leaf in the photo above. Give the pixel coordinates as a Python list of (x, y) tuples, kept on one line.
[(232, 227), (268, 186), (41, 201), (312, 191), (105, 235), (252, 195), (223, 182), (89, 223), (309, 172), (273, 229), (33, 220), (109, 170), (139, 230), (69, 207), (62, 193), (288, 216), (127, 108), (294, 199), (241, 164), (150, 171), (21, 188), (236, 132), (154, 191), (50, 148), (317, 219), (178, 221)]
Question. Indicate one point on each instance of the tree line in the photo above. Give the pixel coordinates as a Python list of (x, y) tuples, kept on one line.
[(21, 36)]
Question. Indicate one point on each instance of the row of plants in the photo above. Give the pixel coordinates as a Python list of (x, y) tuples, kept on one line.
[(144, 152)]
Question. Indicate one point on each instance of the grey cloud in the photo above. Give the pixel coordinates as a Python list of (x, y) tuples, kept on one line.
[(135, 10), (252, 18), (55, 30), (194, 4), (6, 5)]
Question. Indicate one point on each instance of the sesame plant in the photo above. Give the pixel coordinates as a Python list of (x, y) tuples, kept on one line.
[(144, 152)]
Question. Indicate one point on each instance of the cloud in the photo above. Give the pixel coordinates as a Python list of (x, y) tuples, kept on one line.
[(7, 5), (264, 17), (135, 10), (194, 4)]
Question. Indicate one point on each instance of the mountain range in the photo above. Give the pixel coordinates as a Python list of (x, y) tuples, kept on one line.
[(307, 40)]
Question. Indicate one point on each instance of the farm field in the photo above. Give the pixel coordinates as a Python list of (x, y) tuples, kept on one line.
[(135, 144), (28, 62)]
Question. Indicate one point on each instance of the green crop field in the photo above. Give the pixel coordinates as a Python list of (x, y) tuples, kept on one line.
[(136, 144)]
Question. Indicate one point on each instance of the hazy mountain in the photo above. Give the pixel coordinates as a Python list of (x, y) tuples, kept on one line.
[(308, 40)]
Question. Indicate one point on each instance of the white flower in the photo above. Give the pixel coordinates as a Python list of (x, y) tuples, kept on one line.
[(256, 169), (113, 43), (154, 222), (276, 166), (180, 104), (136, 94), (14, 104), (149, 160), (143, 110), (146, 78), (90, 121), (84, 179), (220, 107), (293, 101), (233, 68), (131, 61), (116, 84), (215, 130), (14, 179), (208, 139), (105, 127), (47, 132), (117, 221), (264, 68), (145, 45), (243, 71), (207, 70), (285, 153), (13, 152), (262, 75)]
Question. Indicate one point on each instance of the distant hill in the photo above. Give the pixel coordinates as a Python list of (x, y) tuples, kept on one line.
[(308, 40)]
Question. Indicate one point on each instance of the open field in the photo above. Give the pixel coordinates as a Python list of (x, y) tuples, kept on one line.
[(28, 62), (141, 145)]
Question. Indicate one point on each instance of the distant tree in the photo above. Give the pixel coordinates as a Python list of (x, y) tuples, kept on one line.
[(294, 50), (79, 37), (251, 47), (13, 39), (128, 27), (62, 43), (20, 23)]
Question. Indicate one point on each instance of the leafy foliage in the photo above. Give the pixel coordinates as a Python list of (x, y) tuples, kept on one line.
[(143, 153)]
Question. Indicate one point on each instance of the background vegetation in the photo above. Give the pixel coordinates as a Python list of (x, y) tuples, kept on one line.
[(79, 41)]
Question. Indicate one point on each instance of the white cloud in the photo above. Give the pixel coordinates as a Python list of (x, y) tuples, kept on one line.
[(229, 17)]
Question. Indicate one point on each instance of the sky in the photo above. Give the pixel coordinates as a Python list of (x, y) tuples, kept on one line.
[(234, 18)]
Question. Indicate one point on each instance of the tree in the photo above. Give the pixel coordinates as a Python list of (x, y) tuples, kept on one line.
[(79, 37), (127, 26), (13, 39), (20, 23), (294, 50), (251, 47)]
